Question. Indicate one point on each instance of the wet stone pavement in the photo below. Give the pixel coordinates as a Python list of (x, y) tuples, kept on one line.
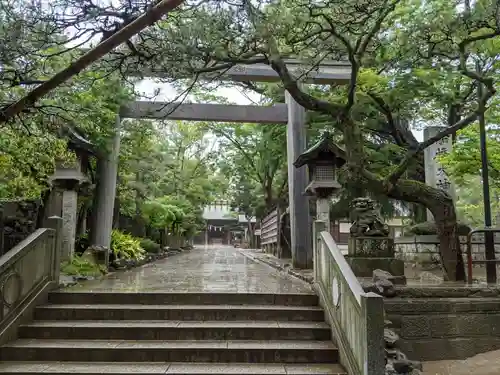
[(216, 269)]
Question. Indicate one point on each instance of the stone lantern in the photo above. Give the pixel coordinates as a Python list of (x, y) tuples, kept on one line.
[(323, 161), (66, 181)]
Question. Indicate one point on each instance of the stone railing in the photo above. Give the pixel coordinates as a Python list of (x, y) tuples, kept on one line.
[(356, 317), (27, 273)]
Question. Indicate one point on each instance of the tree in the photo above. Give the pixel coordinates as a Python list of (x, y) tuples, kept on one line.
[(463, 164), (122, 32), (390, 39)]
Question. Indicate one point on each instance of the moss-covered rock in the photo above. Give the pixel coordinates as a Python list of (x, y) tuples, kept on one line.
[(429, 228)]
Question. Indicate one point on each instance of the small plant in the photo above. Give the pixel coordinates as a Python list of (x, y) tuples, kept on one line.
[(125, 246), (150, 246), (82, 267)]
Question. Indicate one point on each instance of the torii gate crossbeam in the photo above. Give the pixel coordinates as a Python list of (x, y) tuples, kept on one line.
[(290, 113)]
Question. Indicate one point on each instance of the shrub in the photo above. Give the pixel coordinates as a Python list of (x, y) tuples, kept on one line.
[(125, 246), (82, 267), (150, 246)]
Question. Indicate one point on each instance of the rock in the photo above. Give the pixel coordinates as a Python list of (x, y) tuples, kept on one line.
[(119, 263), (84, 278), (379, 274), (405, 366), (96, 254), (430, 278), (66, 280), (390, 338), (385, 288)]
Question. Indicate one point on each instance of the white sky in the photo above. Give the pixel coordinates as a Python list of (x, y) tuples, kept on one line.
[(165, 92)]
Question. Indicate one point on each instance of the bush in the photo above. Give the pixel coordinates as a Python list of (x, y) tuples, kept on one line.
[(150, 246), (82, 267), (125, 246)]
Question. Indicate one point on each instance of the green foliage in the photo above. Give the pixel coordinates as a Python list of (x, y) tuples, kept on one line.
[(463, 165), (125, 246), (166, 174), (150, 246), (81, 267)]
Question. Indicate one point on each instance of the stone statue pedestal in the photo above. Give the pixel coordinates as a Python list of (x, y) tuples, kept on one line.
[(366, 254)]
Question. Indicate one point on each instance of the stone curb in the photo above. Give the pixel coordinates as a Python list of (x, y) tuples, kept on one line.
[(279, 267)]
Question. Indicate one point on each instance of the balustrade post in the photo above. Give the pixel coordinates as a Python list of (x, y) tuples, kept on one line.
[(318, 227), (55, 222), (372, 313)]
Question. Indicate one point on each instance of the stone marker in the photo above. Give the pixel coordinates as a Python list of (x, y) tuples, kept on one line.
[(435, 175), (68, 180)]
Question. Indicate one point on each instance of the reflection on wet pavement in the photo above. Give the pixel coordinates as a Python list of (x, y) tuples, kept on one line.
[(211, 269)]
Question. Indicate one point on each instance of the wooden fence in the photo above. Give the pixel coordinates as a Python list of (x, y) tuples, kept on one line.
[(270, 232)]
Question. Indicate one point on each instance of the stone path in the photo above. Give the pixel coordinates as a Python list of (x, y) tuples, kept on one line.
[(210, 269), (481, 364)]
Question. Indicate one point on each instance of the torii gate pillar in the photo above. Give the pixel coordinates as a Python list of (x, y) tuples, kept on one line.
[(300, 222)]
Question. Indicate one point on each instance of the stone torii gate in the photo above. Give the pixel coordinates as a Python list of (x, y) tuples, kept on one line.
[(290, 113)]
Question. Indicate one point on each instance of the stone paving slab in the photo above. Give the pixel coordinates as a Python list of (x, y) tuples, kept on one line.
[(481, 364), (168, 368), (216, 269)]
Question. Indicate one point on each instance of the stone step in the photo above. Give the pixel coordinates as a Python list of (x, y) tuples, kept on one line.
[(91, 368), (176, 330), (284, 351), (143, 298), (178, 312)]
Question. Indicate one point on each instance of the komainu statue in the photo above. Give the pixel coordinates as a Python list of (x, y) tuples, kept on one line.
[(366, 220)]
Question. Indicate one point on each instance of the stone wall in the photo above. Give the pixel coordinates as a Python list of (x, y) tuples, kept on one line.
[(445, 328), (425, 248)]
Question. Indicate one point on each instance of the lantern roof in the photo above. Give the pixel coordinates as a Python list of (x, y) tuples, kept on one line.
[(325, 149)]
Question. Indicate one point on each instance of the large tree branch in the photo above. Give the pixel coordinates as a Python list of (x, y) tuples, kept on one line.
[(122, 35), (480, 108), (396, 130), (401, 168), (305, 100)]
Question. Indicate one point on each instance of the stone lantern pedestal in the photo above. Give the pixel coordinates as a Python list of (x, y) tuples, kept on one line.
[(370, 247), (366, 254)]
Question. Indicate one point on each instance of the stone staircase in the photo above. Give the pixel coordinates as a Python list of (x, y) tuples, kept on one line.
[(174, 333)]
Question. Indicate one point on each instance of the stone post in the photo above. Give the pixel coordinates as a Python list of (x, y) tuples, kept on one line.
[(55, 222), (435, 175), (372, 308), (323, 212), (318, 227), (106, 192), (69, 222), (300, 226)]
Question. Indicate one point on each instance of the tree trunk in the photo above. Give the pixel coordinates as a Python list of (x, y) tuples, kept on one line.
[(268, 196), (139, 220), (442, 207), (449, 243), (251, 236)]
